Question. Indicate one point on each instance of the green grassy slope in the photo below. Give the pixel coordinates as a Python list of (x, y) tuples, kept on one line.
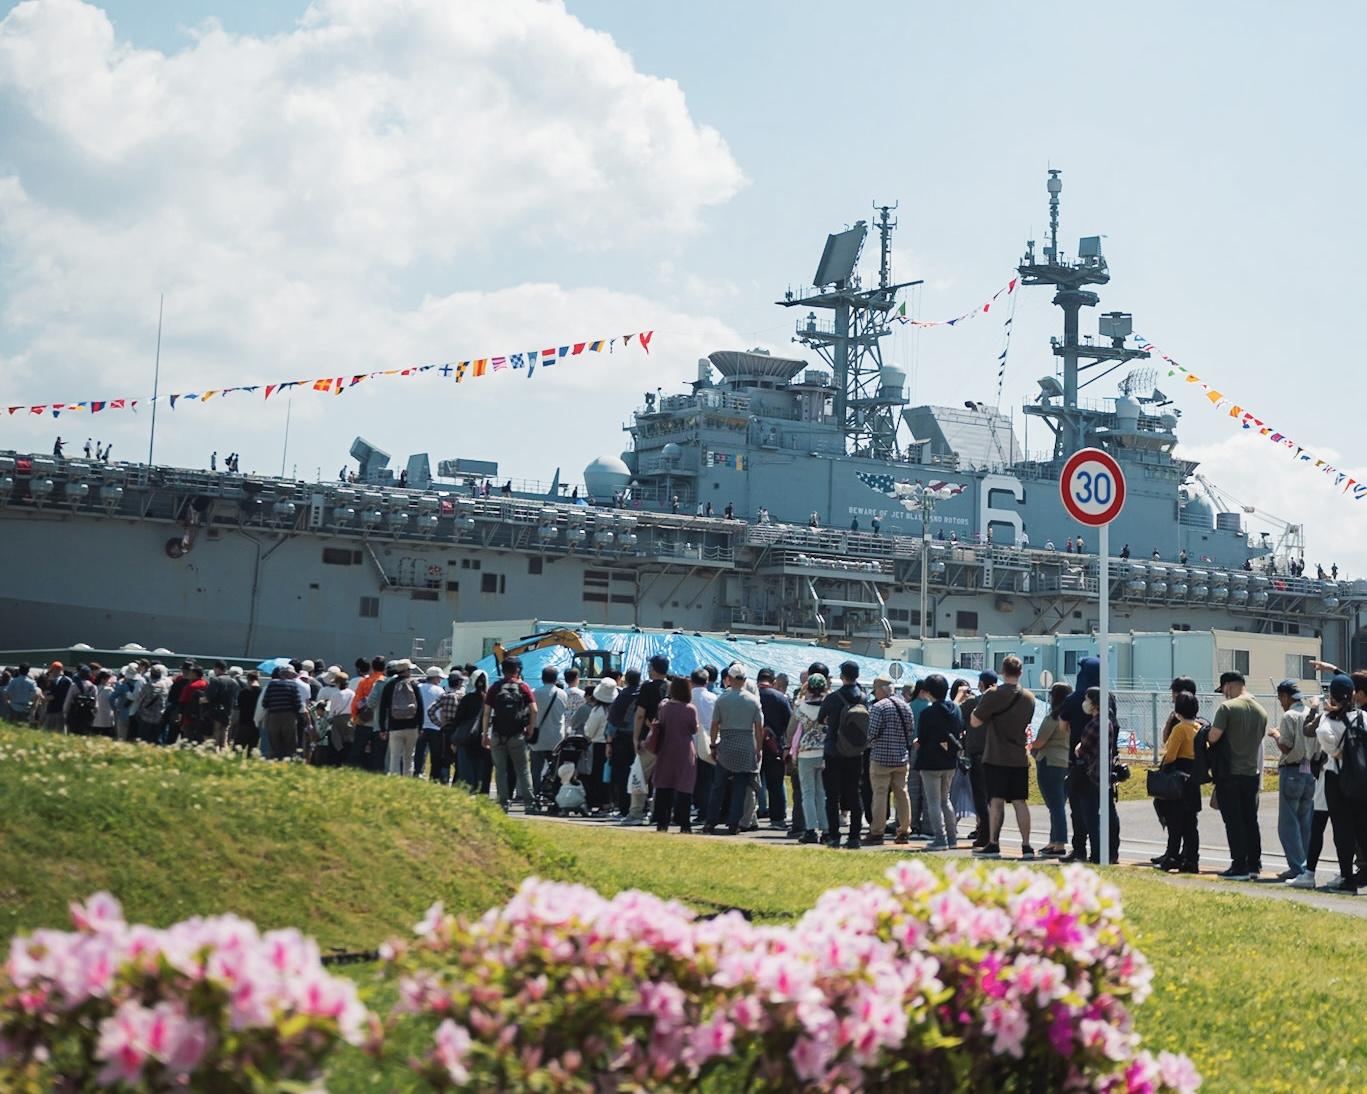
[(352, 858)]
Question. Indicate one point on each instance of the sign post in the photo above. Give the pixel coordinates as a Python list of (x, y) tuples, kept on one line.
[(1092, 488)]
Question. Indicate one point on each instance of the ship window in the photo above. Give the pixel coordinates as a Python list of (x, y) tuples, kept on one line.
[(491, 583), (1070, 661), (966, 622), (1300, 666), (424, 594), (453, 586), (534, 565), (370, 607), (469, 564), (623, 598), (337, 556), (596, 598)]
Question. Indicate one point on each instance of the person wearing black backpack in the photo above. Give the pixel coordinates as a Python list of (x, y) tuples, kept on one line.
[(1343, 735), (78, 709), (508, 717), (846, 718)]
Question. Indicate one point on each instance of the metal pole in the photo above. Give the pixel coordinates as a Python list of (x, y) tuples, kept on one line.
[(1104, 713), (156, 383), (925, 574), (289, 406)]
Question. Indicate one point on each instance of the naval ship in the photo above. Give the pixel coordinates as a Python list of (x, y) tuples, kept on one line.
[(831, 510)]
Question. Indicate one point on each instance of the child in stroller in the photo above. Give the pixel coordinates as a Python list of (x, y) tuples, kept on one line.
[(561, 790)]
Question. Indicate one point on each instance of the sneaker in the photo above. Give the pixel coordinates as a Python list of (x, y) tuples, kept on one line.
[(1188, 868), (779, 826), (1233, 875), (1027, 852), (1334, 882), (870, 840), (631, 822), (902, 840), (833, 842), (987, 850), (1288, 875), (1157, 859), (1343, 886), (808, 837), (732, 830), (852, 844), (938, 845), (1254, 875), (1302, 881)]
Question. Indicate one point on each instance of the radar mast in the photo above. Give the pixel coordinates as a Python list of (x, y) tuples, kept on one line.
[(866, 408), (1070, 278)]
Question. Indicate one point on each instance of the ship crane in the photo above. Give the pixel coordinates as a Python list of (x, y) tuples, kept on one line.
[(1290, 537)]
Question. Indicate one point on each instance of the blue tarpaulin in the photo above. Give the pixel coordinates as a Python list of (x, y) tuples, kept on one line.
[(688, 652)]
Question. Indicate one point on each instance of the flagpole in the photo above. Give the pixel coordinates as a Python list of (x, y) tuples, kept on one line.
[(156, 381), (289, 406)]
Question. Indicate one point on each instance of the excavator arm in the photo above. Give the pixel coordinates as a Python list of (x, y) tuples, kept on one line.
[(592, 664)]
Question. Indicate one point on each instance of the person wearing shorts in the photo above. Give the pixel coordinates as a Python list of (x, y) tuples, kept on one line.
[(1006, 712)]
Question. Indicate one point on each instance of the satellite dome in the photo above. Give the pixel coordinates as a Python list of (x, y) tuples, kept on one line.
[(671, 453), (605, 476), (82, 646), (133, 647)]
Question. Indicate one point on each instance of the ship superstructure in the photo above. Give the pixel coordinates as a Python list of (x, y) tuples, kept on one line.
[(969, 535)]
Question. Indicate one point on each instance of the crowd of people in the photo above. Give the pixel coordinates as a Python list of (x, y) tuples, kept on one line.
[(829, 759)]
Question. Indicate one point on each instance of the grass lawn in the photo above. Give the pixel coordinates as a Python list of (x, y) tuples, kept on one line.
[(349, 857), (1260, 993)]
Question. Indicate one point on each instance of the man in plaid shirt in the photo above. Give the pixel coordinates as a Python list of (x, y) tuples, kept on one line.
[(443, 711), (892, 735)]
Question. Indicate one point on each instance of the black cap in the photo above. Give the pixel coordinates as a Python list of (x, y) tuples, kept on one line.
[(1229, 678), (1289, 687), (987, 678), (765, 676), (659, 663), (849, 670)]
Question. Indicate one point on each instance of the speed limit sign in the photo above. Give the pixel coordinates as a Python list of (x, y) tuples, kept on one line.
[(1092, 488)]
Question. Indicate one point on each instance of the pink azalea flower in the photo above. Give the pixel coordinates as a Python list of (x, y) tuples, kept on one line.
[(453, 1049)]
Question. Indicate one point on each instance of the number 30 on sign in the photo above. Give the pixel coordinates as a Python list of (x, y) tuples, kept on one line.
[(1092, 487)]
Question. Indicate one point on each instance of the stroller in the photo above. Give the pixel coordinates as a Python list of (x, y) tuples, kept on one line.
[(561, 791)]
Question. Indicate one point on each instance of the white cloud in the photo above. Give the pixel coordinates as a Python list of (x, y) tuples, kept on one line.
[(1258, 473), (289, 192)]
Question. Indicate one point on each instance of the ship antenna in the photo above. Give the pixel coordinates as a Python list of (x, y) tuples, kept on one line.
[(156, 381), (1055, 188), (886, 224)]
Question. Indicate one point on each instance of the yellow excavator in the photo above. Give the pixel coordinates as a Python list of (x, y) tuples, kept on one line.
[(593, 665)]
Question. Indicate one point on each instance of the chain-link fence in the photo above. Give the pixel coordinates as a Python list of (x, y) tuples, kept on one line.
[(1142, 715)]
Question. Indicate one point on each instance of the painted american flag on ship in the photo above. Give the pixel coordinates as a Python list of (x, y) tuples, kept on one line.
[(909, 493)]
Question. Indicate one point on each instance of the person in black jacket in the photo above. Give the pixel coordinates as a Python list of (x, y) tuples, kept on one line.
[(1088, 676), (939, 742)]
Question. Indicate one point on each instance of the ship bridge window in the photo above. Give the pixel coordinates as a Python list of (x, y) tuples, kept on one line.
[(370, 607), (424, 594), (966, 622)]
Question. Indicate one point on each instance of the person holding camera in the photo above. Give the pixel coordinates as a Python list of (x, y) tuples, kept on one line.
[(1183, 854), (1295, 784), (1348, 815)]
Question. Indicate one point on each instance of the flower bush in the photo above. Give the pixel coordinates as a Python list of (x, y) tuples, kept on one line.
[(977, 979), (980, 979), (208, 1004)]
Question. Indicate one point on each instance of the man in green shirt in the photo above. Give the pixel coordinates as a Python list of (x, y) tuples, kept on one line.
[(1241, 722)]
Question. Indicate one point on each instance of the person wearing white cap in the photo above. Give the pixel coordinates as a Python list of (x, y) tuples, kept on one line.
[(337, 694), (431, 742), (126, 694), (400, 717)]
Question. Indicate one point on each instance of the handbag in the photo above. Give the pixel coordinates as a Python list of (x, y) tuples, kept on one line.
[(1120, 773), (1166, 784)]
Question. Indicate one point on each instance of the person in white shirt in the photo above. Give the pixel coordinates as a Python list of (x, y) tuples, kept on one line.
[(1347, 815), (574, 694), (552, 706), (337, 694), (431, 741), (704, 699)]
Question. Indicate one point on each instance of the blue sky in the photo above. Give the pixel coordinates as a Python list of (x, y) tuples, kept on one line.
[(1215, 146)]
